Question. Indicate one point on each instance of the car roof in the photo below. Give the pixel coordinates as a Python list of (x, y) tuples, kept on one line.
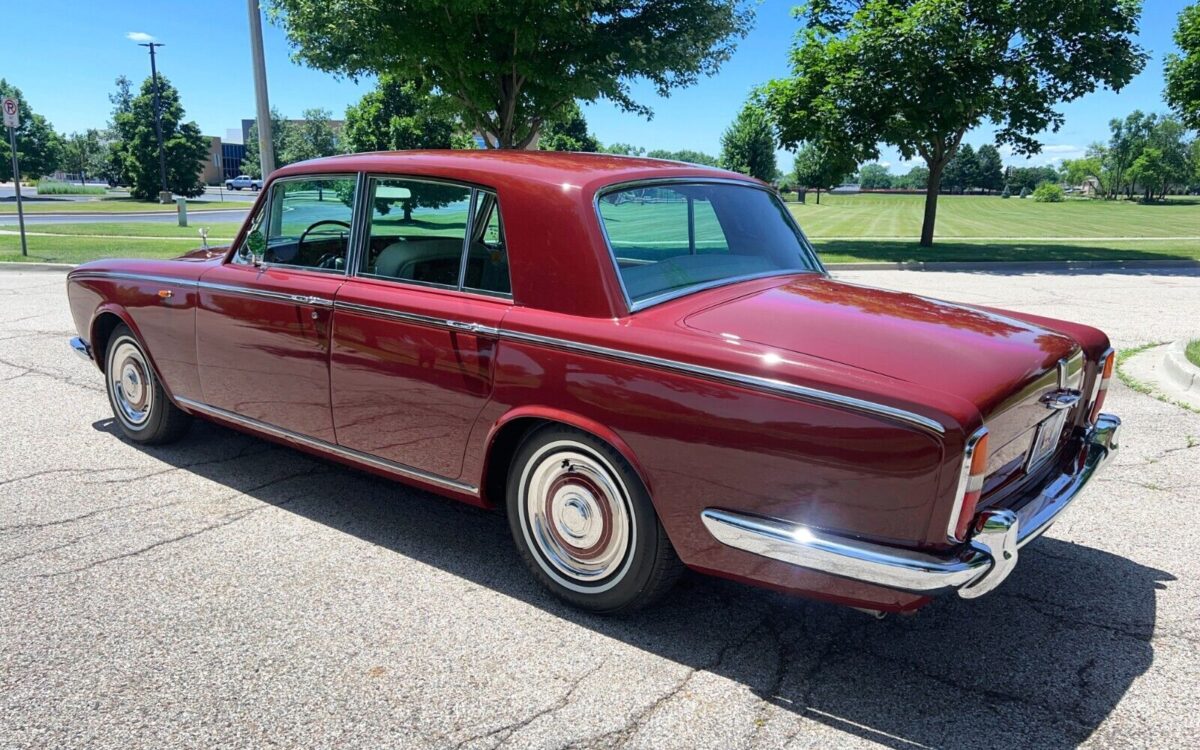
[(554, 167)]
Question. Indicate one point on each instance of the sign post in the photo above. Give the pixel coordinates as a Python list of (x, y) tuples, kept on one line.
[(12, 121)]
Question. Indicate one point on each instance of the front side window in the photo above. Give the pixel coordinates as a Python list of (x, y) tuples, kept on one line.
[(309, 223), (417, 232), (670, 238)]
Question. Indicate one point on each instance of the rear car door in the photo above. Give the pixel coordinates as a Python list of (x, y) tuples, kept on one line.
[(263, 322), (415, 325)]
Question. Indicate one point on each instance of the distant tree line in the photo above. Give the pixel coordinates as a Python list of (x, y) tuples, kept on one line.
[(1147, 156)]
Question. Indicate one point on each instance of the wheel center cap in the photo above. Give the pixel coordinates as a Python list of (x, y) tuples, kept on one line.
[(131, 383), (576, 517)]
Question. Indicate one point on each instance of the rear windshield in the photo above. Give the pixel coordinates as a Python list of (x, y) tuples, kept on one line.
[(669, 239)]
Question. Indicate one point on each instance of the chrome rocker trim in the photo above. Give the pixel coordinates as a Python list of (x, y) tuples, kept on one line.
[(349, 453), (972, 570), (82, 348)]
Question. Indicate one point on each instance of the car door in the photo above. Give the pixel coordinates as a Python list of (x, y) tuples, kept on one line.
[(414, 327), (264, 317)]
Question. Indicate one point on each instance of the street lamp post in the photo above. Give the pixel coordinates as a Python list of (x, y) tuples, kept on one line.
[(164, 195)]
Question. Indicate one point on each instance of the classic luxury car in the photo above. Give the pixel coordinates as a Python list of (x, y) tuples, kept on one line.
[(644, 362)]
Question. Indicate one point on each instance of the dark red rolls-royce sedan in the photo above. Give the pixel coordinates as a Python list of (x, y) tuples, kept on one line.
[(644, 362)]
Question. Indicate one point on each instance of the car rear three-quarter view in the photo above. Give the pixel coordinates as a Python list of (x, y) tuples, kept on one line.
[(643, 362)]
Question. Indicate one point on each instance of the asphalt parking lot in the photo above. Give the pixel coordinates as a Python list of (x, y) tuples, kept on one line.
[(224, 591)]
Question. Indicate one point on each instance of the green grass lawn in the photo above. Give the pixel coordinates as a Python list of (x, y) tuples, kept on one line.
[(1193, 352), (965, 217), (111, 204), (82, 249)]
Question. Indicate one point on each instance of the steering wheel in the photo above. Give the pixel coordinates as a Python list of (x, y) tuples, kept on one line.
[(311, 227)]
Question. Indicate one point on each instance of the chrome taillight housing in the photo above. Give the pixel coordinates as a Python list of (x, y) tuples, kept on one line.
[(1104, 371), (970, 485)]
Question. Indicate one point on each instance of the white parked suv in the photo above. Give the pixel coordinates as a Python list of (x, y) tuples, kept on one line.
[(243, 181)]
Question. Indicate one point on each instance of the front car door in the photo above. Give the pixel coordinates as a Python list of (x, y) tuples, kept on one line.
[(414, 329), (263, 322)]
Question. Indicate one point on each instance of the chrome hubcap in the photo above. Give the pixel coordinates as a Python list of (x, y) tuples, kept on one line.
[(576, 515), (129, 381)]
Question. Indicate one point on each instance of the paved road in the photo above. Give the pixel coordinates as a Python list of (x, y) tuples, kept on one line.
[(224, 591), (195, 218)]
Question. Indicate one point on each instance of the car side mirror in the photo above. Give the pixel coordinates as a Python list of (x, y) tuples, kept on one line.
[(254, 249)]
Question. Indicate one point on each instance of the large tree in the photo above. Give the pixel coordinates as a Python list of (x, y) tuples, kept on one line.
[(821, 168), (748, 144), (251, 160), (39, 148), (396, 116), (511, 66), (1183, 69), (568, 132), (84, 154), (184, 147), (918, 74), (989, 169), (310, 138), (874, 177)]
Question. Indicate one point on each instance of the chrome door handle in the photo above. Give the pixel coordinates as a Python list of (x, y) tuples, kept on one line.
[(460, 326)]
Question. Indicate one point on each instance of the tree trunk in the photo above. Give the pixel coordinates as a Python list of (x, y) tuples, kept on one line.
[(931, 198), (818, 196)]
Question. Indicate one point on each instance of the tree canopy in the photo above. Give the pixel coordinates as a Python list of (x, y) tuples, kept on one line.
[(874, 177), (748, 145), (84, 154), (568, 132), (688, 155), (310, 138), (918, 74), (1183, 69), (510, 67), (137, 150), (396, 116), (821, 168), (252, 161), (39, 148)]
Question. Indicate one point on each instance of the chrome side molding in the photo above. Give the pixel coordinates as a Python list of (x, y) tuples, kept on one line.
[(296, 438)]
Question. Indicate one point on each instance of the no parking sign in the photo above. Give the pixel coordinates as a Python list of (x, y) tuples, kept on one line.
[(12, 112)]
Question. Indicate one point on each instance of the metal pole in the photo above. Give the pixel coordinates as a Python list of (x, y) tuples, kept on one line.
[(12, 140), (162, 159), (266, 149)]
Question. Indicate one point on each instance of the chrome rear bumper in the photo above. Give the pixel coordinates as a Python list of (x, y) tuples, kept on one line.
[(973, 569)]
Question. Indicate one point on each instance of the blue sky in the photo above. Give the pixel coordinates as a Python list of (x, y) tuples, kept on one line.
[(66, 69)]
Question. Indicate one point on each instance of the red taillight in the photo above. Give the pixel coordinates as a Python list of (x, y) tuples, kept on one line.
[(970, 484), (1101, 388)]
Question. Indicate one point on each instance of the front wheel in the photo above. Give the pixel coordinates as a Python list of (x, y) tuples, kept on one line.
[(584, 524), (139, 402)]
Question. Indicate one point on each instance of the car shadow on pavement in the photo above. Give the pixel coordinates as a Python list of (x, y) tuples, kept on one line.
[(1041, 661)]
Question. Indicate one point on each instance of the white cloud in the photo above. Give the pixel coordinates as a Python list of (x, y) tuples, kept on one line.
[(139, 36)]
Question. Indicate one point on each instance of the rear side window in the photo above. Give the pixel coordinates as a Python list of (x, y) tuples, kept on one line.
[(436, 234), (417, 231)]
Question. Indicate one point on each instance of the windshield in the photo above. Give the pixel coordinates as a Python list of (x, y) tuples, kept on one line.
[(668, 239)]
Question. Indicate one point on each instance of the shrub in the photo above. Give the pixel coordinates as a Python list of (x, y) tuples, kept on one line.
[(54, 187), (1007, 193), (1024, 193), (1048, 192)]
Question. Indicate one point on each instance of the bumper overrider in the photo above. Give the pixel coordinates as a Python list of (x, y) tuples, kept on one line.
[(973, 569)]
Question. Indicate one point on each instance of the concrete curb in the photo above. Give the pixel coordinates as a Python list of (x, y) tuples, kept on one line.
[(16, 265), (1179, 370), (1032, 265)]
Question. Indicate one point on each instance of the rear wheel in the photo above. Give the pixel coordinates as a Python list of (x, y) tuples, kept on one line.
[(584, 524), (139, 402)]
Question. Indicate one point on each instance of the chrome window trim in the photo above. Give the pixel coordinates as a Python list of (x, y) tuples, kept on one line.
[(752, 381), (295, 437), (633, 307)]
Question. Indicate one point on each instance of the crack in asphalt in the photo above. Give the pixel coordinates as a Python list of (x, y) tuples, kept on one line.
[(226, 520)]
